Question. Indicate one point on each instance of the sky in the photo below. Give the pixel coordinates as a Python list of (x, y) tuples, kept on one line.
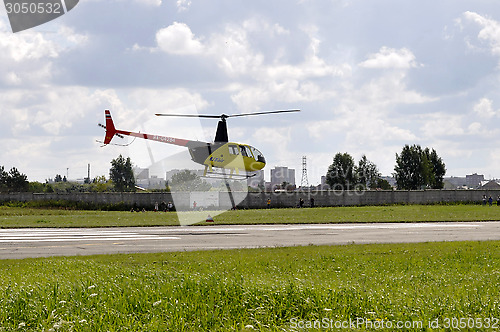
[(368, 77)]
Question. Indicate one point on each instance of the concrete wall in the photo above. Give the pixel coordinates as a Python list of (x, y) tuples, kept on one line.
[(348, 198), (259, 200), (141, 199)]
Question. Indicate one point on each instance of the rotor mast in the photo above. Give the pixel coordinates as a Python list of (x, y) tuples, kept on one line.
[(221, 133)]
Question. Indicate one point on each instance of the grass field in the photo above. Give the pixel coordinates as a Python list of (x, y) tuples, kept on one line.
[(29, 217), (276, 289)]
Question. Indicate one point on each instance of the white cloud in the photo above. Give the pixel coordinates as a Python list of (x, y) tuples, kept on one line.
[(183, 5), (163, 100), (50, 109), (388, 90), (256, 24), (482, 131), (274, 140), (11, 78), (28, 56), (272, 79), (266, 79), (391, 58), (26, 46), (484, 109), (490, 31), (442, 124), (178, 39), (233, 52), (312, 67), (365, 116), (475, 128), (156, 3)]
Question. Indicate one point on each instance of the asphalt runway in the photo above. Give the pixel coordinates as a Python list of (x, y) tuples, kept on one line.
[(44, 242)]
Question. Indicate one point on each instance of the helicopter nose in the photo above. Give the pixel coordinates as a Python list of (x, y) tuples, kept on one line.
[(257, 165)]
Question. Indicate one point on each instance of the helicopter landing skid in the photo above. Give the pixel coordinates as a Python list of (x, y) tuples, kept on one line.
[(225, 176)]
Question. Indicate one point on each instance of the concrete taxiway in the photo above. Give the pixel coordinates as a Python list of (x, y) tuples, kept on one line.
[(43, 242)]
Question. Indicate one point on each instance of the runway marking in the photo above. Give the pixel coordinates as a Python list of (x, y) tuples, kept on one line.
[(44, 235), (91, 239)]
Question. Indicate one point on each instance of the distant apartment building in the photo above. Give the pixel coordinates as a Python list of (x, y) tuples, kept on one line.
[(144, 180), (474, 180), (141, 173), (323, 185), (281, 174)]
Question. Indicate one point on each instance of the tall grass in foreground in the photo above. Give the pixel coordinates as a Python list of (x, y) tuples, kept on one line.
[(260, 289)]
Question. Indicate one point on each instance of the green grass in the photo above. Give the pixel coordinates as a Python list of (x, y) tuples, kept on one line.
[(364, 214), (30, 217), (14, 217), (267, 289)]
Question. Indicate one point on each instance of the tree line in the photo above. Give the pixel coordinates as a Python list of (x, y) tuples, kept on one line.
[(416, 168), (121, 178)]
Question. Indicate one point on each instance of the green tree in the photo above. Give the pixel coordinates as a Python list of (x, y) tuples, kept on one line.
[(3, 179), (367, 173), (408, 169), (121, 174), (17, 181), (186, 180), (341, 173), (100, 184), (383, 184), (36, 187), (416, 169), (437, 168)]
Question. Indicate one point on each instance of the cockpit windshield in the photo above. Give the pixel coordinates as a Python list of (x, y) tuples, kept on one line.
[(258, 155)]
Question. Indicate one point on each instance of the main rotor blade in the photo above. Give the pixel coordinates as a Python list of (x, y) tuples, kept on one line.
[(260, 113), (223, 116), (190, 115)]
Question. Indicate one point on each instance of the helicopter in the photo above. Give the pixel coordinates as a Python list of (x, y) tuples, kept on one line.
[(220, 154)]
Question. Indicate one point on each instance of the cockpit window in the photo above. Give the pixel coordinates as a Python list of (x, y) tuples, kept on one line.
[(233, 149), (244, 151)]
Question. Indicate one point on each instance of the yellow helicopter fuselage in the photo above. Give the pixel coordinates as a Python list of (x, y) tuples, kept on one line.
[(233, 156)]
